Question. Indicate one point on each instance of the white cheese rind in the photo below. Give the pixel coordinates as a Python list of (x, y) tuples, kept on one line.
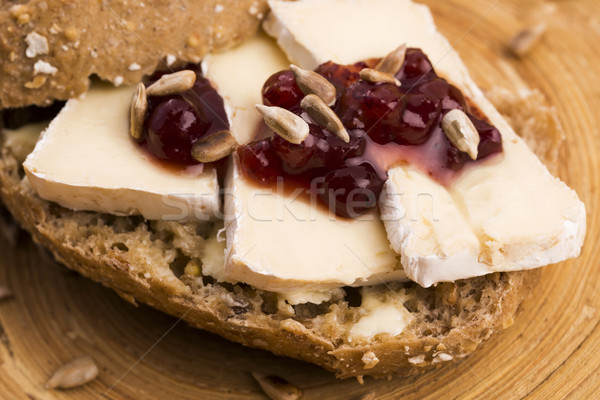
[(506, 214), (279, 243), (85, 160)]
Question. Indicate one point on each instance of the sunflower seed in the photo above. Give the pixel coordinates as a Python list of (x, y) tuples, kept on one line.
[(285, 123), (461, 132), (312, 83), (374, 76), (524, 41), (276, 387), (324, 116), (214, 147), (175, 83), (392, 63), (137, 111), (75, 373)]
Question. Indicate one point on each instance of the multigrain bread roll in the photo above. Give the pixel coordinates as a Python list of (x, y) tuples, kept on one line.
[(50, 48), (159, 263)]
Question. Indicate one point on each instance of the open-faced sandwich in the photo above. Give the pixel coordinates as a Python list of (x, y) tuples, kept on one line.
[(333, 188)]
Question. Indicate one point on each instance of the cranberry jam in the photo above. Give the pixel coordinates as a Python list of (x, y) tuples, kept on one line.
[(174, 123), (388, 125)]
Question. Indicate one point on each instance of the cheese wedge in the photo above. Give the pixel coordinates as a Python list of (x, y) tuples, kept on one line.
[(85, 160), (283, 243), (506, 214)]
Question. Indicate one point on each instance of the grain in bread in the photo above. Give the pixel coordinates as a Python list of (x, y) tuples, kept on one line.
[(157, 263)]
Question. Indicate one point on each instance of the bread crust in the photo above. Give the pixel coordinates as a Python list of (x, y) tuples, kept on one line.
[(50, 48)]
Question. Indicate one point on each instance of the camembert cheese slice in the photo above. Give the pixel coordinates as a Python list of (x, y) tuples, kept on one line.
[(85, 160)]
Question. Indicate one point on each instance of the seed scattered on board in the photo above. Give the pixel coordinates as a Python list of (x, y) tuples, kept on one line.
[(524, 41), (276, 387), (5, 293), (73, 374)]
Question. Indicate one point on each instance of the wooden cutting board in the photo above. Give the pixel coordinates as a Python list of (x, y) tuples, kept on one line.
[(550, 352)]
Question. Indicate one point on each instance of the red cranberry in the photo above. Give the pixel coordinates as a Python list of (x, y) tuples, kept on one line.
[(320, 150), (376, 108), (260, 161), (341, 76), (281, 90), (416, 69), (174, 123), (298, 158), (490, 140), (340, 151), (174, 126), (351, 191), (420, 114), (454, 99)]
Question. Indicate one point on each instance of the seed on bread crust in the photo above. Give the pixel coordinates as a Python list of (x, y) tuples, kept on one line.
[(175, 83), (214, 147), (324, 116), (285, 123), (137, 111), (311, 82), (75, 373), (392, 63)]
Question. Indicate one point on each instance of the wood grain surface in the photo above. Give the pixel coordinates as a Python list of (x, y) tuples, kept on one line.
[(551, 352)]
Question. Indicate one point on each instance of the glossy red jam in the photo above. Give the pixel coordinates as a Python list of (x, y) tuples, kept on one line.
[(174, 123), (388, 125)]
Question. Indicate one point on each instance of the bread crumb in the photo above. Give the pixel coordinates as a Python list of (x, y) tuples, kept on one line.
[(170, 59), (21, 14), (253, 10), (442, 357), (42, 67), (369, 359), (192, 40), (259, 343), (134, 67), (71, 34), (417, 359), (36, 83), (55, 29), (36, 45), (293, 326), (441, 347)]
